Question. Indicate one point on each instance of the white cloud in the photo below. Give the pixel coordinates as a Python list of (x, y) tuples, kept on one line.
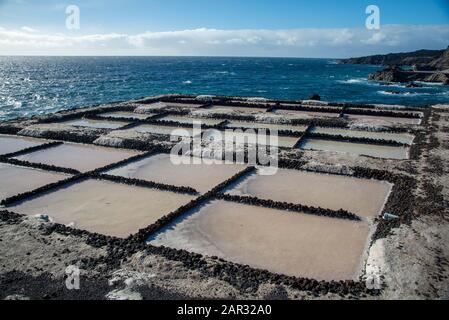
[(249, 42), (28, 29)]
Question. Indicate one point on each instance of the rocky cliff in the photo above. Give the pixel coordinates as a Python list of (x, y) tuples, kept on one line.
[(421, 60), (396, 74)]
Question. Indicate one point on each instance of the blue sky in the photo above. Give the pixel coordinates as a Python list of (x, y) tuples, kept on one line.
[(242, 27)]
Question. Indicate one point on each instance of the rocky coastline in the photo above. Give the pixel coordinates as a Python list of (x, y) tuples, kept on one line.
[(420, 66)]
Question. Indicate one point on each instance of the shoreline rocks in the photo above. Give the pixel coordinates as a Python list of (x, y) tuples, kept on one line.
[(396, 74)]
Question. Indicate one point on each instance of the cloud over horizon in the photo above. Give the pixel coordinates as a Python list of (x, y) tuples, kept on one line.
[(307, 42)]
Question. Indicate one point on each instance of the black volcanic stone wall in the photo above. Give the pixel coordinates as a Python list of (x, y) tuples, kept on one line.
[(329, 123), (240, 117), (248, 279), (145, 184), (401, 201), (41, 166), (323, 109), (265, 106), (47, 188), (10, 217), (419, 144), (141, 145), (381, 113), (72, 136), (8, 129), (355, 139), (288, 207), (33, 149), (143, 234), (152, 151), (65, 117)]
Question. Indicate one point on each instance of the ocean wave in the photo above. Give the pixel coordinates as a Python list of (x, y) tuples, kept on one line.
[(383, 92), (429, 84), (354, 81), (187, 82), (224, 73), (16, 104), (364, 81)]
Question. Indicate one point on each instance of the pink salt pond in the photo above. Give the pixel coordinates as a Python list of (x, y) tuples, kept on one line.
[(80, 157), (11, 144), (126, 115), (248, 110), (268, 126), (180, 171), (283, 242), (371, 118), (16, 180), (358, 149), (191, 120), (96, 124), (363, 197), (398, 137), (306, 114), (104, 207)]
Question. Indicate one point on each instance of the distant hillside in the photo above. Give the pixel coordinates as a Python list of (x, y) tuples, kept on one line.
[(422, 59)]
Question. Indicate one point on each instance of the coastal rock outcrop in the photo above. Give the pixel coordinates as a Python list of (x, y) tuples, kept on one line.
[(438, 77), (393, 74), (429, 60), (315, 97), (441, 63), (396, 74), (424, 65)]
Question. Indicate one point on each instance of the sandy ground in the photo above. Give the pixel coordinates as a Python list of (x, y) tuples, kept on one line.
[(411, 263)]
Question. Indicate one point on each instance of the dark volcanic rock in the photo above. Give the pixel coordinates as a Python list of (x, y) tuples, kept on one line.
[(315, 97), (396, 74), (391, 74), (422, 59), (414, 85), (438, 77), (441, 63)]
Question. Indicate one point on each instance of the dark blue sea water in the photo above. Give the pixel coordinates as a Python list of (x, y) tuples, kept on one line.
[(36, 85)]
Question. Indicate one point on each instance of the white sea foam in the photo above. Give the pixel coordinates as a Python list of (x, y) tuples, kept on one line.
[(383, 92), (429, 84), (352, 81)]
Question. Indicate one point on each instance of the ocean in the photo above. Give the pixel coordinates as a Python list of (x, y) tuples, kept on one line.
[(38, 85)]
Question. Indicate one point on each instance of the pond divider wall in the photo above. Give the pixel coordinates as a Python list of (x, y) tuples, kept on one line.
[(289, 207), (145, 184), (33, 149), (8, 129), (41, 166), (331, 137)]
